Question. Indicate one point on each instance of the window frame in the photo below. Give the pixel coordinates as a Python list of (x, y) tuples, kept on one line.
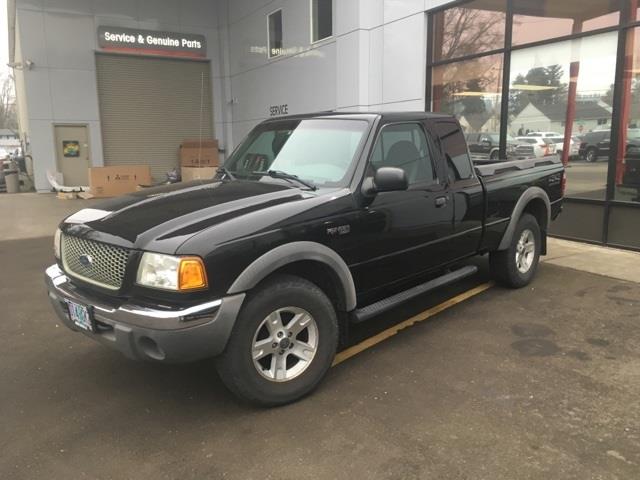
[(269, 15), (626, 24), (431, 147), (311, 18)]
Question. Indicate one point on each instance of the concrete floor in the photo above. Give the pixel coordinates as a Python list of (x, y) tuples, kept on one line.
[(537, 383), (32, 215)]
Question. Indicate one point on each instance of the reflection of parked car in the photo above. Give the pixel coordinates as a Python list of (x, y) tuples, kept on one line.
[(594, 145), (534, 147), (544, 134), (574, 146), (485, 146), (631, 175)]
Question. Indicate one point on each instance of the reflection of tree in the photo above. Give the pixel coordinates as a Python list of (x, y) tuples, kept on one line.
[(546, 88), (472, 77), (475, 104), (7, 105), (468, 31)]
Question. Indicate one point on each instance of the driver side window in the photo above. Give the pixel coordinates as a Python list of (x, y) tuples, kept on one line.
[(405, 146)]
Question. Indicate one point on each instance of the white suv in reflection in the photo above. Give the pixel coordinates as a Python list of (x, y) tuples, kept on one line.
[(531, 146), (544, 134)]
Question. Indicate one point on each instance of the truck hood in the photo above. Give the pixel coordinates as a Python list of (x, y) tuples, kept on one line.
[(162, 218)]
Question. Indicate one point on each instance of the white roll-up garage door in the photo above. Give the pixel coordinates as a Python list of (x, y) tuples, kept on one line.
[(149, 105)]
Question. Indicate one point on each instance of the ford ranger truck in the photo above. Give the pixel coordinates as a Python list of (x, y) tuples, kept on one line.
[(312, 223)]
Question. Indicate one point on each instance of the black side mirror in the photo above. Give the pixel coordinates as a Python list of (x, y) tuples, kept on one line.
[(487, 143), (386, 179)]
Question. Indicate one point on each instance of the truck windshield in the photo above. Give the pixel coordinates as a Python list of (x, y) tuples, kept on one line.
[(319, 151)]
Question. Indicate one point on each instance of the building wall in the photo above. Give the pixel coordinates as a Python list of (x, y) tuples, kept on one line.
[(376, 59), (60, 37)]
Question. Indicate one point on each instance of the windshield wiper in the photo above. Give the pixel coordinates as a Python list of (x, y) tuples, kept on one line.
[(225, 171), (286, 176)]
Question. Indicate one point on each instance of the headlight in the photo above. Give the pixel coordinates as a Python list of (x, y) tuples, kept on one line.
[(56, 243), (171, 273)]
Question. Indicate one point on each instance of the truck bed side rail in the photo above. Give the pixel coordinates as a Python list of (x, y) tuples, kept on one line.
[(501, 167)]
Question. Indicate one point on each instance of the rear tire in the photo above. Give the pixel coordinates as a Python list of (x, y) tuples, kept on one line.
[(516, 266), (272, 358)]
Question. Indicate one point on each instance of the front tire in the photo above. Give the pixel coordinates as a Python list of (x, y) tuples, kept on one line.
[(516, 266), (282, 344), (591, 155)]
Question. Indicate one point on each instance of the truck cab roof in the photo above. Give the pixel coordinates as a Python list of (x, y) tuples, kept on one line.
[(386, 116)]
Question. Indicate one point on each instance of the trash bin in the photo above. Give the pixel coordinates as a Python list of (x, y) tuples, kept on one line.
[(12, 180)]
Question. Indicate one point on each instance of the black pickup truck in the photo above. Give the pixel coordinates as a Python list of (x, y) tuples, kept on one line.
[(313, 222)]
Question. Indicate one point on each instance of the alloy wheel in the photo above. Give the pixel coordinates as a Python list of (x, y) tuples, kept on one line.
[(285, 344), (525, 251)]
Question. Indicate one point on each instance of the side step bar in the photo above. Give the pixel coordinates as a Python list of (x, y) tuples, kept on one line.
[(388, 303)]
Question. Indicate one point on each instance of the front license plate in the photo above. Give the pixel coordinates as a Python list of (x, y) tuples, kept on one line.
[(81, 316)]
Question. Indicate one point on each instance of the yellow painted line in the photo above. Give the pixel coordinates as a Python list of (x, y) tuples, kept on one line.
[(420, 317)]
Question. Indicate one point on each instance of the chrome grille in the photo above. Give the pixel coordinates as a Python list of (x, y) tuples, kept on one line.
[(101, 264)]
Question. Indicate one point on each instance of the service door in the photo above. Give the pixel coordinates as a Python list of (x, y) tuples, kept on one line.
[(73, 154)]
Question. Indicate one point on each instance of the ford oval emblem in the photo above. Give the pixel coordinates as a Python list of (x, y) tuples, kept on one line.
[(86, 261)]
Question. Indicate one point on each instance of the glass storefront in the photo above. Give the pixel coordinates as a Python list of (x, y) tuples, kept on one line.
[(543, 77)]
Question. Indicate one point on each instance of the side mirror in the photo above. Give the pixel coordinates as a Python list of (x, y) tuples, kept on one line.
[(487, 143), (386, 179)]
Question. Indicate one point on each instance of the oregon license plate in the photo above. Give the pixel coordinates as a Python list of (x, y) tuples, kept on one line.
[(81, 316)]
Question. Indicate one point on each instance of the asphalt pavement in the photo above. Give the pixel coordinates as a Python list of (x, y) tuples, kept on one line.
[(537, 383)]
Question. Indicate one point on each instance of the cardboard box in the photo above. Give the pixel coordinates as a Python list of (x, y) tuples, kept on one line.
[(67, 195), (198, 173), (196, 153), (118, 180)]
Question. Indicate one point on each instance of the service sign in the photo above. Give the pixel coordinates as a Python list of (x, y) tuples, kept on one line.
[(152, 42)]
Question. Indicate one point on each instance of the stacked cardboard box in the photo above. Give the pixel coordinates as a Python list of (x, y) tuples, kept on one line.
[(117, 180), (198, 159)]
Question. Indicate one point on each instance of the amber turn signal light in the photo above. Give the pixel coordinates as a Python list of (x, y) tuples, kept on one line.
[(191, 275)]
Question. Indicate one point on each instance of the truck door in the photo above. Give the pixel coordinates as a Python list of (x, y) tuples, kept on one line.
[(465, 188), (404, 233)]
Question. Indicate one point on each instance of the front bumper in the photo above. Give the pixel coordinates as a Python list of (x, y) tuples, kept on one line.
[(143, 333)]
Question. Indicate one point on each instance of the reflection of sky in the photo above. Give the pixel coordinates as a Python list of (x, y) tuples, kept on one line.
[(597, 56)]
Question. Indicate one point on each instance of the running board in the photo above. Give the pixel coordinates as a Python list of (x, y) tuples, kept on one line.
[(388, 303)]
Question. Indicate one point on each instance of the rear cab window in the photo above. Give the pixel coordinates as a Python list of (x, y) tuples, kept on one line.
[(459, 165)]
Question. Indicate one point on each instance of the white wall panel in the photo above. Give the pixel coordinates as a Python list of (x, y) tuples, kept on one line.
[(371, 13), (71, 41), (126, 9), (33, 37), (37, 83), (74, 7), (159, 12), (396, 9), (376, 65), (404, 59), (314, 87), (42, 150), (74, 95), (429, 4), (199, 13), (347, 13), (348, 73)]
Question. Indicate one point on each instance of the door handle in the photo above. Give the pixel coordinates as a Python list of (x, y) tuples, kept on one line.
[(441, 201)]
